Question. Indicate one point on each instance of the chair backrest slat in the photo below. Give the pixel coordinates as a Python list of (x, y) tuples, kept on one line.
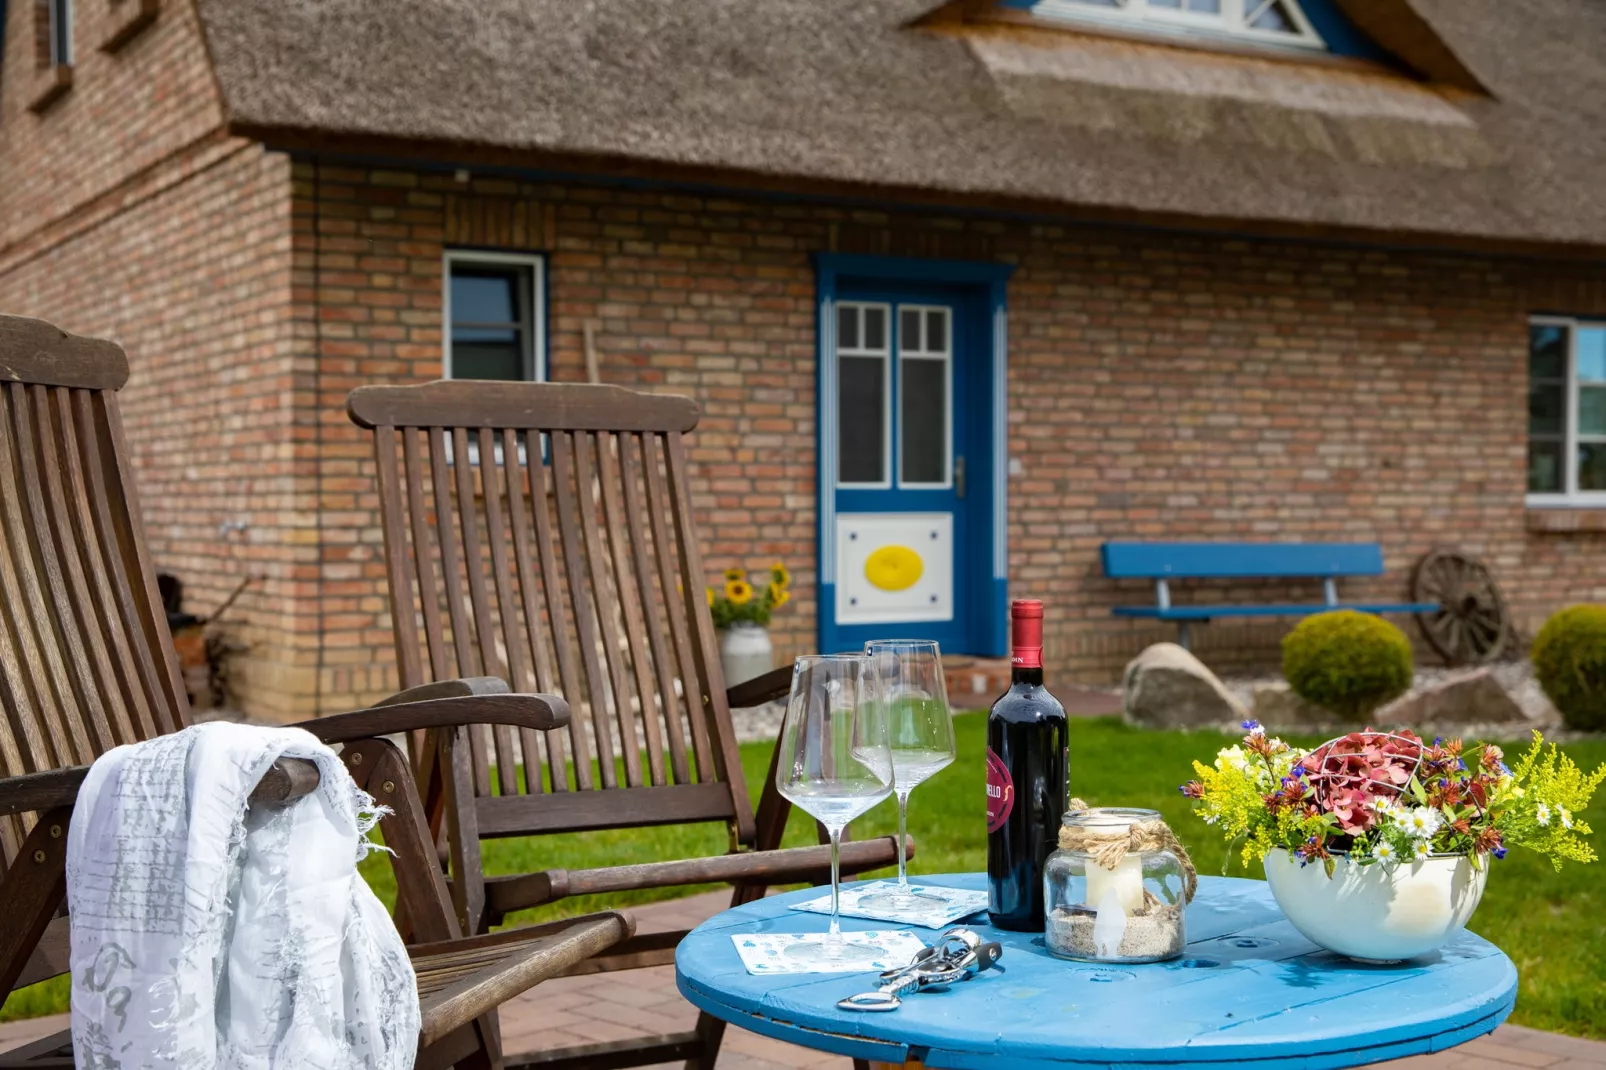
[(727, 761), (675, 609), (588, 466), (568, 498), (629, 562), (393, 506), (529, 584), (577, 572), (86, 661)]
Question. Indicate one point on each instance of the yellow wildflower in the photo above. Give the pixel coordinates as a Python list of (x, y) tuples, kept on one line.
[(709, 591), (779, 595), (739, 592), (782, 577)]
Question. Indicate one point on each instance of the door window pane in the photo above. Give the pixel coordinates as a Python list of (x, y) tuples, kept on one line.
[(909, 330), (924, 416), (1592, 466), (875, 327), (847, 326), (861, 419), (937, 331), (1544, 467)]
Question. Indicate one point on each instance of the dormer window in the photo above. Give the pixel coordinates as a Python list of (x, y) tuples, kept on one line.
[(1266, 22)]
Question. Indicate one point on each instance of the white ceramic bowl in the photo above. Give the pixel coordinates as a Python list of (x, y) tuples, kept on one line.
[(1377, 913)]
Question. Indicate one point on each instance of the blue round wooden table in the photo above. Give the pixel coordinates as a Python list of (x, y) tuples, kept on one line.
[(1248, 991)]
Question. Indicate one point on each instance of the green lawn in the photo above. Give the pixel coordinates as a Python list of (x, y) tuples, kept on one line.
[(1549, 923)]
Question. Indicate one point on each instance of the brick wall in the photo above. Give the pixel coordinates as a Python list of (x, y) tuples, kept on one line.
[(1161, 387)]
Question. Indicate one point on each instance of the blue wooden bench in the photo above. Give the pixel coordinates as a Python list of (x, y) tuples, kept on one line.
[(1163, 562)]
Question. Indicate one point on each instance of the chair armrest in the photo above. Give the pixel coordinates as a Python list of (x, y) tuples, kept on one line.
[(540, 712), (775, 684), (462, 688), (285, 780), (41, 791)]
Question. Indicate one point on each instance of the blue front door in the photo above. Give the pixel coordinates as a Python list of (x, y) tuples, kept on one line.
[(909, 483)]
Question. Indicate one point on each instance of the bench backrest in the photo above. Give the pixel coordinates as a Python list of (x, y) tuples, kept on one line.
[(1200, 560)]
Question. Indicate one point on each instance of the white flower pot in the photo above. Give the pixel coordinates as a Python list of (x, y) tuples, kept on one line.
[(745, 652), (1384, 912)]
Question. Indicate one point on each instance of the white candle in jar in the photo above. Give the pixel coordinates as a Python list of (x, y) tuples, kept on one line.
[(1122, 885)]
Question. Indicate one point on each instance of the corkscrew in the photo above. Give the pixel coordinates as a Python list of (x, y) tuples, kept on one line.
[(958, 955)]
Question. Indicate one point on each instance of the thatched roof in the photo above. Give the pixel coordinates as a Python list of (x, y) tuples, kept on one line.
[(851, 94)]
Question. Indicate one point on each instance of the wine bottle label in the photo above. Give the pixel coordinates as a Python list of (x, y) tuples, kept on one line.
[(1000, 792)]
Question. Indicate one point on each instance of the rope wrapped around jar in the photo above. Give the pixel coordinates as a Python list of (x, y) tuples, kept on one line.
[(1108, 846)]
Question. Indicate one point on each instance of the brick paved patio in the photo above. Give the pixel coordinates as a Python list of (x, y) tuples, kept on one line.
[(578, 1010)]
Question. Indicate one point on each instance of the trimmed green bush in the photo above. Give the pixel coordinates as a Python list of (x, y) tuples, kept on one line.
[(1347, 661), (1570, 662)]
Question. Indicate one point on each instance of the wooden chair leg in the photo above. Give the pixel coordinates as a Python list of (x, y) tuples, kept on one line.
[(32, 890), (710, 1032)]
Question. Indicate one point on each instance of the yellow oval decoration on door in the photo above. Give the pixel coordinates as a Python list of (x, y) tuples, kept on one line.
[(894, 568)]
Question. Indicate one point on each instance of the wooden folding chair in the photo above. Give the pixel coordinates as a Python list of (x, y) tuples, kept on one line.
[(544, 533), (86, 664)]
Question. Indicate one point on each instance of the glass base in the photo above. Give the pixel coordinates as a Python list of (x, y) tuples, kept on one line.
[(837, 953), (900, 901)]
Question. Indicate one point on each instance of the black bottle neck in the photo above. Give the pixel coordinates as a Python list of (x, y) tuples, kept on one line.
[(1031, 677)]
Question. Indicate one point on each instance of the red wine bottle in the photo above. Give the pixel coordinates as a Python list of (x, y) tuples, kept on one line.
[(1027, 768)]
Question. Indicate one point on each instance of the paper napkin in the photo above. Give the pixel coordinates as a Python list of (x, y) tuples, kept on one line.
[(765, 953), (953, 904)]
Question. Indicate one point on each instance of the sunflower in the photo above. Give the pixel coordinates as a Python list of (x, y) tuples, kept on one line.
[(779, 595), (732, 574), (778, 573), (738, 592)]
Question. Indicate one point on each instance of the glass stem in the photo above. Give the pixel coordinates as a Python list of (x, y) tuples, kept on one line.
[(903, 842), (836, 883)]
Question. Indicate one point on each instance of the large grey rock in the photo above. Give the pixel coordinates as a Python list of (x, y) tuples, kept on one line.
[(1280, 710), (1475, 697), (1167, 687)]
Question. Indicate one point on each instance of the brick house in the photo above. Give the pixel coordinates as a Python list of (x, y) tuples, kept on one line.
[(1257, 269)]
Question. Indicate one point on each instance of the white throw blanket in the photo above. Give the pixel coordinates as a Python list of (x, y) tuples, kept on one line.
[(208, 935)]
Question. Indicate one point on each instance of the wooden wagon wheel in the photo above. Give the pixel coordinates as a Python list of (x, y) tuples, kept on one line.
[(1471, 626)]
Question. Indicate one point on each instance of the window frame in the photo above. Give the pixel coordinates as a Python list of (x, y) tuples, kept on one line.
[(946, 357), (60, 16), (535, 355), (886, 354), (1569, 497), (1231, 23)]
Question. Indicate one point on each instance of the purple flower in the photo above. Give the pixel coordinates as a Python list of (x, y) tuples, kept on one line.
[(1249, 725), (1500, 852)]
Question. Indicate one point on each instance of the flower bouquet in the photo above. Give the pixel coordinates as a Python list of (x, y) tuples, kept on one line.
[(1377, 844), (740, 602)]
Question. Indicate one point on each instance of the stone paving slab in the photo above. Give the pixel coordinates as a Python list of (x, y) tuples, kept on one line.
[(596, 1007)]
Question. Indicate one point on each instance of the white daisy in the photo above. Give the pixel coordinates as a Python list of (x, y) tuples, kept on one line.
[(1542, 814), (1422, 850), (1422, 822), (1566, 817), (1384, 852)]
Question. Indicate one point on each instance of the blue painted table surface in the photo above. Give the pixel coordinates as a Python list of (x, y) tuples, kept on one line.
[(1249, 990)]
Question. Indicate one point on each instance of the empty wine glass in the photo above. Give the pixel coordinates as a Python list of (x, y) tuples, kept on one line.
[(920, 728), (835, 764)]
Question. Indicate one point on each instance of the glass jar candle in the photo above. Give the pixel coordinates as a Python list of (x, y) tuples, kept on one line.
[(1116, 889)]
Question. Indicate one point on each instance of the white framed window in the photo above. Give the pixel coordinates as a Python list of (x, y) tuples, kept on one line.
[(1267, 22), (864, 395), (493, 316), (1566, 411), (60, 32), (925, 396)]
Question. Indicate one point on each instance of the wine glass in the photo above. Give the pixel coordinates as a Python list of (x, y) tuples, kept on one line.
[(921, 732), (835, 764)]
